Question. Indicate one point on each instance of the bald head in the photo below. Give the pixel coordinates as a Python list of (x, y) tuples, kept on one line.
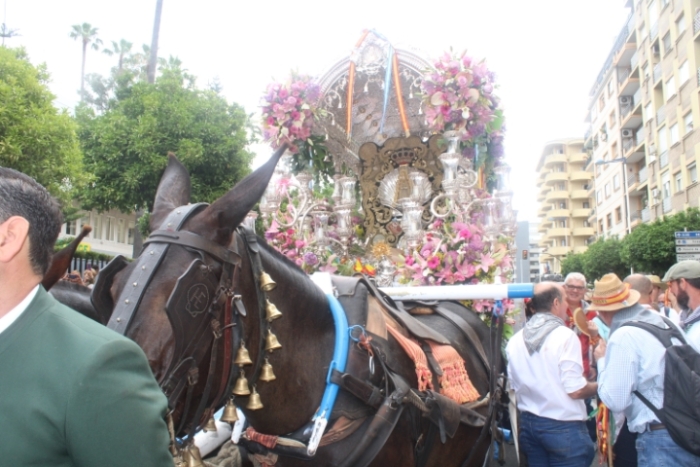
[(548, 297), (641, 284)]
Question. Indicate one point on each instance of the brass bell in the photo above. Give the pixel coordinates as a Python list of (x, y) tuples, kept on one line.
[(271, 342), (266, 282), (272, 313), (210, 426), (242, 356), (193, 457), (254, 402), (241, 386), (230, 415), (266, 374)]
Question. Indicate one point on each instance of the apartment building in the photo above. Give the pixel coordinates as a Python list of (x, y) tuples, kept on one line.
[(643, 113), (112, 232), (565, 205)]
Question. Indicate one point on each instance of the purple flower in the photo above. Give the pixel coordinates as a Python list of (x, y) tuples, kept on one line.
[(311, 259)]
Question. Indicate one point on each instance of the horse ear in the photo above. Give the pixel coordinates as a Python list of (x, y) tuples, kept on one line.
[(173, 191), (61, 259), (229, 211)]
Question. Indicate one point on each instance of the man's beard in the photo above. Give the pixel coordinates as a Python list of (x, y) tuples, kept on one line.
[(683, 299)]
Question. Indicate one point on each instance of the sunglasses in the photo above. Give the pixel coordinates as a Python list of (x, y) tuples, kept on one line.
[(575, 287)]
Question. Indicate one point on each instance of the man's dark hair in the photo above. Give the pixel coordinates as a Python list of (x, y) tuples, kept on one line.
[(543, 301), (694, 282), (21, 195)]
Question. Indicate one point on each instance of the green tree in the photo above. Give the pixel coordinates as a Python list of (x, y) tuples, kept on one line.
[(572, 263), (126, 146), (121, 49), (652, 247), (35, 137), (603, 257), (7, 33), (88, 36)]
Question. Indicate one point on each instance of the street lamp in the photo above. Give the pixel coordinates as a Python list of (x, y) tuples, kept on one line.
[(623, 161)]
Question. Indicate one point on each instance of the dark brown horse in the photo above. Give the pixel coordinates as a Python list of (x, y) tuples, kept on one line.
[(196, 278)]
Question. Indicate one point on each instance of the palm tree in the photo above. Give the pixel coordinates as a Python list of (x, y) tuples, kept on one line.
[(8, 33), (88, 35), (120, 49), (154, 43)]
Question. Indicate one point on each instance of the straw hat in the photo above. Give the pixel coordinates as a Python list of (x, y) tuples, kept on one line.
[(611, 294), (581, 321), (656, 282)]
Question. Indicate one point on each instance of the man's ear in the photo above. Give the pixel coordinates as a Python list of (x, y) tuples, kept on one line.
[(13, 235)]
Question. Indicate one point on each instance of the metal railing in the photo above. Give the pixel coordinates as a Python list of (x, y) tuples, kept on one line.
[(696, 23), (643, 175), (639, 136), (635, 215), (653, 32), (637, 97), (660, 115), (698, 76), (623, 73), (646, 215), (631, 179), (658, 72), (666, 204), (625, 110), (663, 159), (634, 61)]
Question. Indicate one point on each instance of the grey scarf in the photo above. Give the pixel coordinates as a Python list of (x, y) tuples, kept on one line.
[(538, 328)]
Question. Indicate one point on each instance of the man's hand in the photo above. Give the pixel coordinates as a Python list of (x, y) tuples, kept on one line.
[(599, 351), (592, 329)]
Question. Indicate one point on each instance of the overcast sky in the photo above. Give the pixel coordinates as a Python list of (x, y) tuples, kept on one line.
[(546, 53)]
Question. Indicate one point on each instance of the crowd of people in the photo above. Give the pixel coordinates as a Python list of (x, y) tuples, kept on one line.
[(583, 353)]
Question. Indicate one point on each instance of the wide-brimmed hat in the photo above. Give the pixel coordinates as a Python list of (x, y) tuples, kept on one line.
[(656, 282), (581, 321), (611, 294)]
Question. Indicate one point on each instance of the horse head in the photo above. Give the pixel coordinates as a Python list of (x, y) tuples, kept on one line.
[(169, 300)]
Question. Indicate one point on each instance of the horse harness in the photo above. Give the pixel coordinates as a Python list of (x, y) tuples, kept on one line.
[(199, 310)]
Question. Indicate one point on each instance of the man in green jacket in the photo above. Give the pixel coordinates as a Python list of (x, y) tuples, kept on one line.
[(72, 392)]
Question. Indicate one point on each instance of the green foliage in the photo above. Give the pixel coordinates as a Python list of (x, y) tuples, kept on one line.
[(603, 257), (35, 137), (572, 263), (651, 247), (126, 146)]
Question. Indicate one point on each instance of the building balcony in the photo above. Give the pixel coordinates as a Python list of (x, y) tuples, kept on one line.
[(646, 215), (541, 195), (584, 213), (581, 176), (667, 206), (556, 177), (555, 158), (557, 195), (579, 194), (635, 218), (696, 25), (578, 158), (663, 159), (580, 249), (559, 250), (559, 214), (658, 73), (558, 232), (583, 231)]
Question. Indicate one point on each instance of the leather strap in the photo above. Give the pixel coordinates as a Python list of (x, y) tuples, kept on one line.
[(192, 240), (468, 332)]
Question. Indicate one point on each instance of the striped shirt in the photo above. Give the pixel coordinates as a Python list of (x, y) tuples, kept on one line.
[(634, 360)]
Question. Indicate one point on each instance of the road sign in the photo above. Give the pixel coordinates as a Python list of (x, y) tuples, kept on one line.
[(688, 249), (686, 256), (691, 234), (688, 241)]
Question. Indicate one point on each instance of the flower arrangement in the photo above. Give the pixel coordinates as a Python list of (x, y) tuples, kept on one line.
[(458, 95), (289, 111)]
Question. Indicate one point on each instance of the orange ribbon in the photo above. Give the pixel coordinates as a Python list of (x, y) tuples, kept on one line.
[(399, 98)]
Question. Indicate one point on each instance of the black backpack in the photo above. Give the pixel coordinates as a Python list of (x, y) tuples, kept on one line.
[(681, 410)]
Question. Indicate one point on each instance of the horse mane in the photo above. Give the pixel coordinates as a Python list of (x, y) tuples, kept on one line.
[(290, 270)]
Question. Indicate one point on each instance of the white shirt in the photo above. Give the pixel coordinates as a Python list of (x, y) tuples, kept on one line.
[(692, 335), (15, 313), (543, 381)]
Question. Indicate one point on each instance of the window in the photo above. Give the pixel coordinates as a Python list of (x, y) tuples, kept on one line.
[(683, 73), (678, 182), (71, 228), (608, 219), (598, 197), (673, 133), (562, 223), (692, 173), (667, 43), (648, 112), (616, 182), (561, 186), (601, 227), (611, 87), (97, 232), (586, 205), (645, 70), (601, 102), (562, 242), (666, 185), (611, 119), (562, 205), (130, 234), (670, 88), (680, 25), (663, 142), (618, 215), (688, 122), (607, 190)]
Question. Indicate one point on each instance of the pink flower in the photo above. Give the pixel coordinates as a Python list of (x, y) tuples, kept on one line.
[(486, 262), (434, 262)]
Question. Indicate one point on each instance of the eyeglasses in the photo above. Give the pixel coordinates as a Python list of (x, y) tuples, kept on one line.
[(575, 287)]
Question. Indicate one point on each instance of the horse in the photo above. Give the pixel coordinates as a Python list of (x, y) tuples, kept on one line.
[(203, 289)]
